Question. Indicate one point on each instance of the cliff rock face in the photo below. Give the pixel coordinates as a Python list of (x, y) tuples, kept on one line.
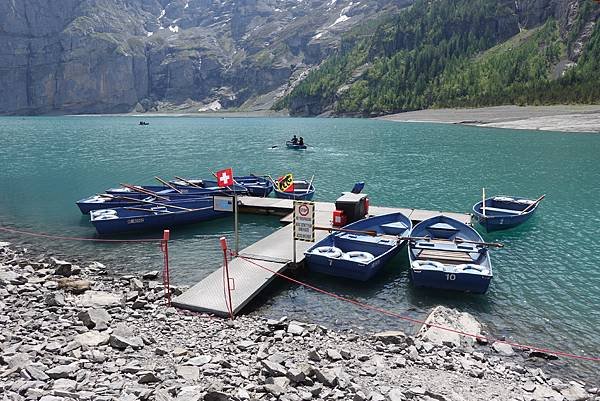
[(105, 56)]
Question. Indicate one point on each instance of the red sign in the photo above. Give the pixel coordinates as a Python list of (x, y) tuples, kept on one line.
[(286, 183), (225, 177)]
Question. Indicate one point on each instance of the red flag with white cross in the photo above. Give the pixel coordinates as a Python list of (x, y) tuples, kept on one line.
[(225, 177)]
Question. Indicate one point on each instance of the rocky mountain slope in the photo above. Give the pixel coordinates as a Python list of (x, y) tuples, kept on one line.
[(462, 53), (105, 56)]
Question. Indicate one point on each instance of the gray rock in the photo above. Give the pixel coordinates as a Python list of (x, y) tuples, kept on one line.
[(528, 386), (18, 361), (63, 371), (189, 373), (139, 304), (391, 337), (326, 376), (274, 369), (396, 394), (274, 389), (148, 377), (92, 338), (451, 318), (295, 329), (216, 396), (55, 299), (503, 348), (151, 275), (51, 398), (334, 354), (314, 356), (121, 342), (100, 299), (62, 268), (575, 392), (64, 385), (95, 318), (199, 360), (136, 284), (36, 373), (190, 393)]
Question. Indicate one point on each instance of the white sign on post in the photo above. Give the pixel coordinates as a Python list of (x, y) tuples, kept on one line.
[(223, 203), (304, 221)]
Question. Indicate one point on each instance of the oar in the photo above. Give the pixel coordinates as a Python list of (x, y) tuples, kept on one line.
[(372, 233), (191, 184), (538, 200), (146, 210), (310, 183), (151, 203), (492, 244), (167, 184), (143, 191)]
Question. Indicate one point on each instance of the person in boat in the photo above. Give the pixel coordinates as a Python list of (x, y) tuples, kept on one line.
[(301, 141), (294, 140)]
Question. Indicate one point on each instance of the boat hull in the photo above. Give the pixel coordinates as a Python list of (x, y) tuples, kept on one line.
[(445, 256), (303, 190), (126, 220), (359, 256), (290, 145), (503, 212), (465, 282)]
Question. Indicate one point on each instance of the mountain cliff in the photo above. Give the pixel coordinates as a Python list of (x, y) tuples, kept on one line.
[(105, 56), (450, 53)]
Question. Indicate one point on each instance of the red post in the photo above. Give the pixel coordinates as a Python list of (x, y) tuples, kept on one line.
[(166, 276), (226, 279)]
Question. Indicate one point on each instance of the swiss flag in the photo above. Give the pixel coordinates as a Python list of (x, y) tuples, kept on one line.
[(225, 177)]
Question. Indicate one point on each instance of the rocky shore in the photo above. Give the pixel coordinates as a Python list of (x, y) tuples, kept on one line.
[(71, 332), (566, 118)]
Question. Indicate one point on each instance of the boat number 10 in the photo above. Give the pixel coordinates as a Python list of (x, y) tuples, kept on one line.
[(450, 277)]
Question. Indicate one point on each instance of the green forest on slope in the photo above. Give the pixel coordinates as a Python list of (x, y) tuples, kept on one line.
[(449, 53)]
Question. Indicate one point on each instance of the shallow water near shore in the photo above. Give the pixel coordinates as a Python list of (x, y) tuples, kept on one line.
[(546, 286)]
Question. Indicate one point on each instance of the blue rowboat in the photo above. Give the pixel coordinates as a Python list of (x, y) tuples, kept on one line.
[(110, 201), (251, 185), (441, 256), (354, 253), (303, 190), (295, 146), (153, 217), (502, 212)]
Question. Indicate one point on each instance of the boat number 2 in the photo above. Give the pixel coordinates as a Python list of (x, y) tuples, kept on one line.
[(450, 277)]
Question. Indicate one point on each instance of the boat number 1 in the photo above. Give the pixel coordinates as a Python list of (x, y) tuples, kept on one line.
[(450, 277)]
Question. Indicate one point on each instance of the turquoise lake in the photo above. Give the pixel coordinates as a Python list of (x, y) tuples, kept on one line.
[(546, 286)]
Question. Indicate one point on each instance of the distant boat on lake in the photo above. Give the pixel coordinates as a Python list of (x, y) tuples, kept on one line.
[(295, 146)]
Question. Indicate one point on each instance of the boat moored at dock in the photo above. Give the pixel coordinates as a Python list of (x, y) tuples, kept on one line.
[(153, 216), (503, 212), (359, 250), (447, 254), (302, 190)]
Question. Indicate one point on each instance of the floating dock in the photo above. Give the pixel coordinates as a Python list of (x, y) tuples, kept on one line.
[(274, 252)]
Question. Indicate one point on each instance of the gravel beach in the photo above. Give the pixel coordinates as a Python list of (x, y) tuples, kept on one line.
[(70, 332), (566, 118)]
